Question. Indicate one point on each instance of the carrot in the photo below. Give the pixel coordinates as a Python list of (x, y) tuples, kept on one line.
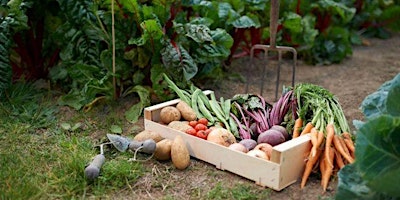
[(296, 128), (307, 128), (314, 141), (309, 166), (320, 138), (339, 160), (330, 133), (328, 170), (322, 166), (349, 142), (339, 147)]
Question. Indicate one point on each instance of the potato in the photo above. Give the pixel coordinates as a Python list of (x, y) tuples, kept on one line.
[(147, 134), (169, 114), (180, 125), (238, 147), (180, 153), (163, 150), (187, 112)]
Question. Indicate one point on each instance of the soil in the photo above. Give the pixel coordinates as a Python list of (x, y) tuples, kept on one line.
[(351, 81)]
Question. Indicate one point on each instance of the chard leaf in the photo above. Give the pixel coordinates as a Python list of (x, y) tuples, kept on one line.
[(246, 22), (134, 112), (293, 22), (378, 153), (198, 32)]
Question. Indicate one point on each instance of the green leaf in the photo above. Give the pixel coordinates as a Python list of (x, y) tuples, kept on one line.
[(116, 129), (293, 22), (245, 22), (198, 32), (379, 103), (378, 153), (352, 186), (135, 111)]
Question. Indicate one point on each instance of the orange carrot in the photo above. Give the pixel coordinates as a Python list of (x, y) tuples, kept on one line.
[(296, 128), (339, 147), (349, 142), (314, 141), (320, 138), (329, 170), (307, 128), (330, 133), (339, 160), (309, 166), (322, 166)]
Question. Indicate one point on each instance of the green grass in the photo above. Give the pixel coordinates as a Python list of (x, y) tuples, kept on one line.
[(41, 160)]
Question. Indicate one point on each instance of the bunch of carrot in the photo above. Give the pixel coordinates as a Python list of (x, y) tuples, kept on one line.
[(330, 151)]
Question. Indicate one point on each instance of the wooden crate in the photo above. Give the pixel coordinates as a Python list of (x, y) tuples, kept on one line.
[(285, 167)]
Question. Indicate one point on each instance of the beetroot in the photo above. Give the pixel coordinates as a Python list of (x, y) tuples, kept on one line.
[(248, 143), (271, 136), (282, 130)]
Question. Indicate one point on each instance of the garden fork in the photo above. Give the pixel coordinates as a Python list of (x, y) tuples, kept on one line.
[(274, 15)]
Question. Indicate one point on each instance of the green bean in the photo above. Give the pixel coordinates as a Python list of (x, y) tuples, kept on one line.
[(206, 113), (194, 105)]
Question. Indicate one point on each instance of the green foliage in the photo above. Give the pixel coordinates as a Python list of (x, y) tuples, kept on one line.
[(12, 20), (376, 169)]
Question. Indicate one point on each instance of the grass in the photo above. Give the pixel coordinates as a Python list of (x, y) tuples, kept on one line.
[(42, 160)]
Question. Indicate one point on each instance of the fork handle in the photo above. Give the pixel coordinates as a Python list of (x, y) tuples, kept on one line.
[(273, 24)]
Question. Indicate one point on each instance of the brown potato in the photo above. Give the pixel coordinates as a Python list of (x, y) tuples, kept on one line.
[(186, 111), (169, 114), (147, 134), (180, 125), (180, 153), (163, 150)]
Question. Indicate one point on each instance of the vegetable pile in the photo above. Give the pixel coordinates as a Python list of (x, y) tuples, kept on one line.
[(249, 124)]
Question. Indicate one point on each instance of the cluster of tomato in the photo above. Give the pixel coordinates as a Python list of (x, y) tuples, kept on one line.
[(199, 128)]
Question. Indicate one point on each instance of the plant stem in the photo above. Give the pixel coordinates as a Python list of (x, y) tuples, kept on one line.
[(113, 49)]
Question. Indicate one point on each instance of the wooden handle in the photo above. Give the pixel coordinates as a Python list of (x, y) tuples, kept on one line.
[(273, 24)]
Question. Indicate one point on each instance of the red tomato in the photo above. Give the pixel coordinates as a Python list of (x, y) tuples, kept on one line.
[(191, 131), (199, 127), (193, 123), (203, 121), (201, 134)]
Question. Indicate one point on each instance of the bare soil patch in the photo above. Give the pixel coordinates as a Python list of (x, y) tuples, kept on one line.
[(351, 81)]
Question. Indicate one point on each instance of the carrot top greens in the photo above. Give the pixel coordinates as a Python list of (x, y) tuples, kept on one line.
[(320, 107)]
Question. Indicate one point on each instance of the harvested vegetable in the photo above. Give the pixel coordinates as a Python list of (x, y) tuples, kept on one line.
[(272, 137), (309, 167), (328, 170), (267, 148), (249, 143), (238, 147), (180, 153), (282, 130), (329, 138), (296, 128), (180, 125), (147, 134), (317, 105), (186, 111), (221, 136), (169, 114), (258, 154), (339, 147), (163, 150)]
